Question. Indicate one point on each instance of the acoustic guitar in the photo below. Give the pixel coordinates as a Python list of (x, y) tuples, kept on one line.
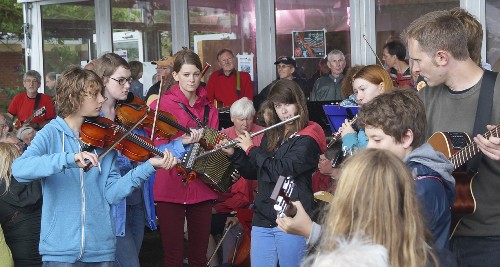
[(281, 195), (37, 113), (459, 148)]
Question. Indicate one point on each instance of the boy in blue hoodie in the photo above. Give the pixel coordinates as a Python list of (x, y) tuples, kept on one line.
[(396, 121), (77, 228)]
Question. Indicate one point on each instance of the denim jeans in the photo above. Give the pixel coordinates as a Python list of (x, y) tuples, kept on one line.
[(480, 251), (77, 264), (270, 245), (129, 246)]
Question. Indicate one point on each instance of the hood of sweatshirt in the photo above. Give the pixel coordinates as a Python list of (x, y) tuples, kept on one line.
[(65, 132), (437, 161), (316, 132)]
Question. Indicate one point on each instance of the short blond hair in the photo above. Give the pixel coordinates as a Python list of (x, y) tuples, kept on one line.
[(439, 30)]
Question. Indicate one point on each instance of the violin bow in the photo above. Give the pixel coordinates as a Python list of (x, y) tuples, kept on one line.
[(127, 133), (160, 92), (373, 51)]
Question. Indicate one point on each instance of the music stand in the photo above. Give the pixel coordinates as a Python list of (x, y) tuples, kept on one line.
[(336, 115), (317, 114)]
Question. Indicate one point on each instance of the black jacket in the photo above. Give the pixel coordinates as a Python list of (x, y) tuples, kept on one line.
[(24, 197), (296, 157)]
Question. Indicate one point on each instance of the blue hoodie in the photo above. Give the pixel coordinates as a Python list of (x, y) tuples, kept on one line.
[(77, 224), (435, 189)]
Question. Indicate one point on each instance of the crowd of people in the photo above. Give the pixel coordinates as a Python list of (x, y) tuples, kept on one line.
[(79, 184)]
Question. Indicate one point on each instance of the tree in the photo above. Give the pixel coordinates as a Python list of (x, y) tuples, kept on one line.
[(11, 18)]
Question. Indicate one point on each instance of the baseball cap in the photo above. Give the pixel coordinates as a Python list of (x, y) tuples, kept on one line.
[(286, 60), (164, 62)]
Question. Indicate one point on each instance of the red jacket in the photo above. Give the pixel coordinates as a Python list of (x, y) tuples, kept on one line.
[(168, 186), (223, 88), (22, 107)]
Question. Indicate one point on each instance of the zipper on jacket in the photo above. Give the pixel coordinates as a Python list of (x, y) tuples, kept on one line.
[(82, 188)]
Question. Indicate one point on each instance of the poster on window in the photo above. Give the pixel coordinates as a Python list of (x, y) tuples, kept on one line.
[(309, 44)]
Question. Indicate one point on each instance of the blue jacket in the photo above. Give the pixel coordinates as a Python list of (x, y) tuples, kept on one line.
[(355, 141), (435, 189), (77, 224)]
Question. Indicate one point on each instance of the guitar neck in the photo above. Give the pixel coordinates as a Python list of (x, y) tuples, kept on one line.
[(471, 150)]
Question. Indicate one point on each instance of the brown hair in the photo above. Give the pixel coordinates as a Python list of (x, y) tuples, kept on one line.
[(474, 31), (286, 92), (186, 56), (136, 67), (224, 50), (73, 85), (347, 89), (107, 64), (439, 30), (375, 74), (395, 113), (373, 183)]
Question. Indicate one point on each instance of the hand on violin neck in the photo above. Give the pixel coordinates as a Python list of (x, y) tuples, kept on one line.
[(167, 162), (193, 137), (83, 158)]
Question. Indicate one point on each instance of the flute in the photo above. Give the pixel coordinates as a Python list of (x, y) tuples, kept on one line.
[(234, 142)]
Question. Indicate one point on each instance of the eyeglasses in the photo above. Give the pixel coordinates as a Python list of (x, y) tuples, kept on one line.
[(31, 81), (122, 81), (283, 66)]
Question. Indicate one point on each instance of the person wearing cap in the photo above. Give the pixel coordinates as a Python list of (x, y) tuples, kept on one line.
[(329, 87), (286, 67), (164, 67), (227, 84)]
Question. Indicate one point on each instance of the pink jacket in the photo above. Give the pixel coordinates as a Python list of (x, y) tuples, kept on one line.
[(168, 186)]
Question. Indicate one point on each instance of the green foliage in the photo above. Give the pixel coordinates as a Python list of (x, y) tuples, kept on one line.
[(60, 57), (70, 11), (7, 94), (11, 17)]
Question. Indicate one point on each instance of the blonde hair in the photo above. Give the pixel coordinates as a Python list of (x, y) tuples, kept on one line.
[(376, 195), (9, 153)]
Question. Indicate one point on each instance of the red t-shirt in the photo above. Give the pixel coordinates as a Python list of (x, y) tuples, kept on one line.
[(223, 88), (22, 107)]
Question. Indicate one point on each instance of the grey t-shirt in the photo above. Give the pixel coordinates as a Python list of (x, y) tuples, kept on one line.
[(456, 112)]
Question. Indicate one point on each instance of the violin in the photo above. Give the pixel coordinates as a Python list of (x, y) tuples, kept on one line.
[(103, 132), (134, 108)]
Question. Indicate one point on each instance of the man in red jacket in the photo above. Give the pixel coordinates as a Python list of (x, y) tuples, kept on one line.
[(227, 84)]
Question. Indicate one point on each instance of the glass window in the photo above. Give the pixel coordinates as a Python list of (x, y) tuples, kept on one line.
[(141, 29), (71, 44), (493, 34), (298, 31), (215, 24), (392, 17)]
